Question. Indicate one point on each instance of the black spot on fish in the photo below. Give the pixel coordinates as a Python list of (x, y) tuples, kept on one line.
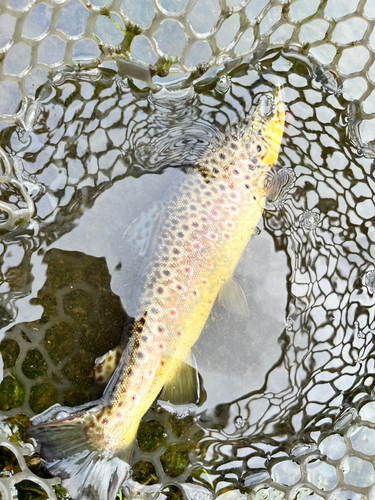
[(213, 161), (222, 156), (154, 310), (259, 148), (140, 355), (222, 187), (160, 290), (166, 272), (180, 234), (215, 171), (251, 166), (185, 227), (176, 251), (233, 145), (174, 221), (144, 338), (193, 207)]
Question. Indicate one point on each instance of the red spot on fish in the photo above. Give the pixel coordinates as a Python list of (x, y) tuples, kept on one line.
[(212, 236), (195, 293), (204, 282), (178, 333), (233, 208), (195, 224), (119, 414), (229, 224), (197, 246), (133, 398), (105, 421), (98, 369), (161, 345), (162, 363), (214, 213), (187, 269), (100, 379), (179, 288), (173, 312)]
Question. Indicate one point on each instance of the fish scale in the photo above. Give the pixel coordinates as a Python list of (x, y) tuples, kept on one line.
[(204, 223)]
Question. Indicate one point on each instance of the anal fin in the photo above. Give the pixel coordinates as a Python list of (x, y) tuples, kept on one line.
[(185, 386)]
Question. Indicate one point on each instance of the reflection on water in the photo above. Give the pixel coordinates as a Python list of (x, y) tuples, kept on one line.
[(277, 382)]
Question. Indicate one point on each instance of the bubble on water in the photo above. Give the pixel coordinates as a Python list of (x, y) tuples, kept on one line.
[(239, 422), (256, 478), (309, 220), (345, 419), (327, 79), (289, 324), (370, 281), (301, 449)]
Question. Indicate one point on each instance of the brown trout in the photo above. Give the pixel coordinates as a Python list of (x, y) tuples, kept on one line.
[(199, 233)]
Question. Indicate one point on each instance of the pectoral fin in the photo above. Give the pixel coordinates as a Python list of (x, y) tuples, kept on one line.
[(139, 233), (232, 297), (184, 387)]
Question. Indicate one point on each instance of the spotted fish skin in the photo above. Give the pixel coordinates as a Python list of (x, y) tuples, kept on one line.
[(205, 222)]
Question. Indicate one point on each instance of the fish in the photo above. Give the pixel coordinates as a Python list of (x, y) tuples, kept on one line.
[(189, 246)]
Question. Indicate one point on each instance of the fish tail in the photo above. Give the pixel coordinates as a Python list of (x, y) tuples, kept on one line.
[(86, 472)]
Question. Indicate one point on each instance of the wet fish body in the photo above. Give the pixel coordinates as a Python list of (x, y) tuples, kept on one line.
[(194, 241)]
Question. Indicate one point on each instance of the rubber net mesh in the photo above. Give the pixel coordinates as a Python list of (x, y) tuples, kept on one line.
[(78, 118)]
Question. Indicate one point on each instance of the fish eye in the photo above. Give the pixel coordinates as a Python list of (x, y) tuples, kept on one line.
[(267, 105)]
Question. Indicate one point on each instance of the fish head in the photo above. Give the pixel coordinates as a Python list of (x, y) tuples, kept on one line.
[(264, 129)]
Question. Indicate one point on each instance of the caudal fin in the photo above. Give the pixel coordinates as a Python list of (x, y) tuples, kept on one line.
[(86, 473)]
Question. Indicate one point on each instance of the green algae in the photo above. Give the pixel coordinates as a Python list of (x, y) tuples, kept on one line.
[(175, 459), (8, 462), (150, 436), (28, 490), (42, 396), (12, 393), (9, 350), (34, 365), (144, 472), (18, 425)]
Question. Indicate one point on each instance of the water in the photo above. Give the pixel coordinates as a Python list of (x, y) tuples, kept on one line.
[(283, 387)]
